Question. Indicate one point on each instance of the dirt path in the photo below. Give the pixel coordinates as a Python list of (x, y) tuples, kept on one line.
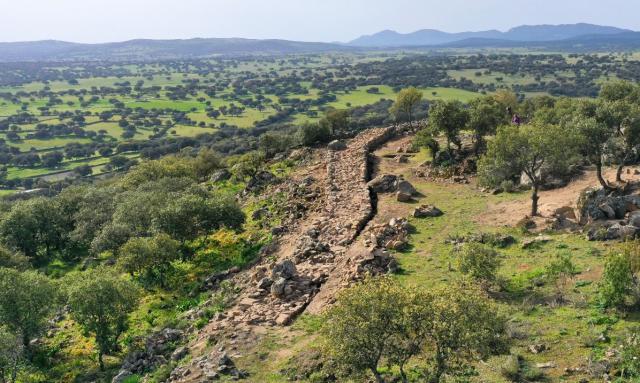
[(509, 213)]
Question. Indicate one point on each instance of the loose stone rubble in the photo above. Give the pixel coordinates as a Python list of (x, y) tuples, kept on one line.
[(315, 259), (158, 348)]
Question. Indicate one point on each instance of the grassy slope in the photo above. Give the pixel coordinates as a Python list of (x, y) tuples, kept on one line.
[(565, 329)]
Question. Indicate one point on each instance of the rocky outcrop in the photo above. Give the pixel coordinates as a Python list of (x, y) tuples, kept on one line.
[(609, 216), (595, 204), (158, 348)]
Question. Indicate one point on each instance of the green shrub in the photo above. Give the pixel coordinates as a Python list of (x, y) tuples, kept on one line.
[(617, 284), (311, 134), (510, 368), (508, 186), (479, 261)]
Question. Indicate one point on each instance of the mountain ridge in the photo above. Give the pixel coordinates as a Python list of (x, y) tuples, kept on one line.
[(523, 33), (579, 37)]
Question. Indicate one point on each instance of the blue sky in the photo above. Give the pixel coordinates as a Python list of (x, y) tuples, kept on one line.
[(309, 20)]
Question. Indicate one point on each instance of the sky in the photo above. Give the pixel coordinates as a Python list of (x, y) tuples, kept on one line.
[(93, 21)]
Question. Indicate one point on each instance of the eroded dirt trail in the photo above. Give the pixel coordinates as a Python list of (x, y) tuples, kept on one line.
[(509, 213), (315, 259)]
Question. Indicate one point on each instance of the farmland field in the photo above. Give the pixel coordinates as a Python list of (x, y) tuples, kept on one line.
[(158, 108)]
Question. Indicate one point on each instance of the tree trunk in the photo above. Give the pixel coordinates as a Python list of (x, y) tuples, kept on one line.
[(377, 375), (100, 361), (14, 373), (619, 173), (403, 375), (439, 369), (601, 179), (534, 200)]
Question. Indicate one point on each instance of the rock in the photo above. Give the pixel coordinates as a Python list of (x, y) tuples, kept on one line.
[(285, 269), (634, 219), (179, 353), (618, 231), (402, 159), (265, 283), (122, 376), (403, 197), (225, 361), (385, 183), (337, 145), (220, 175), (277, 288), (260, 180), (545, 365), (427, 211), (278, 230), (299, 154), (565, 212), (531, 242), (406, 187), (608, 211), (537, 348)]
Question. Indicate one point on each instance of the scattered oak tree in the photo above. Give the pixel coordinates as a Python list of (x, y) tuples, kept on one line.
[(593, 138), (448, 118), (11, 353), (101, 303), (149, 258), (529, 149), (360, 327), (26, 301), (378, 320), (406, 102), (485, 115)]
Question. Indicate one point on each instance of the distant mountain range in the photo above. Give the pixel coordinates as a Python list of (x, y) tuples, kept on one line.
[(573, 37), (525, 33), (157, 49)]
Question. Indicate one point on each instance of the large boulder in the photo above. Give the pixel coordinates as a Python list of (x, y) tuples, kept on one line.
[(634, 218), (337, 145), (427, 211), (385, 183), (406, 188), (286, 269), (618, 231), (404, 197)]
